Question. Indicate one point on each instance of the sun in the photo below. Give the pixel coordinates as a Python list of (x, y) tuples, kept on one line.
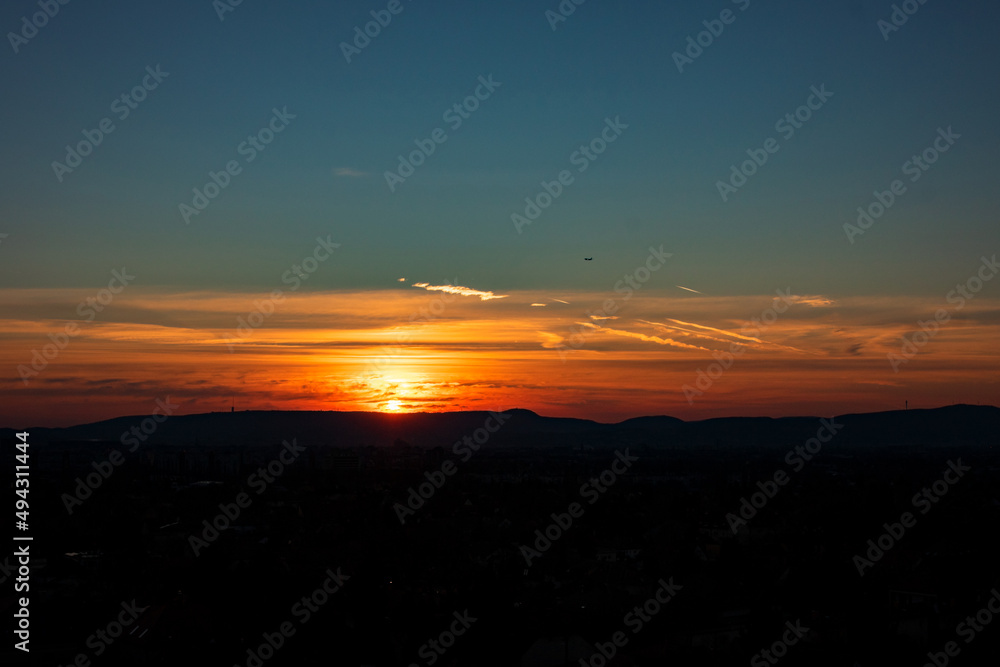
[(393, 406)]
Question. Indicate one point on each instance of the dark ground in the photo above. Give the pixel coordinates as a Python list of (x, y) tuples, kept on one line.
[(336, 508)]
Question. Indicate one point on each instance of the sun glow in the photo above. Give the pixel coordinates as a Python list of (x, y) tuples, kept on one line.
[(397, 392), (499, 352)]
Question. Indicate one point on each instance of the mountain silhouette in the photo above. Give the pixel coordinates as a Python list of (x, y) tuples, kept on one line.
[(956, 424)]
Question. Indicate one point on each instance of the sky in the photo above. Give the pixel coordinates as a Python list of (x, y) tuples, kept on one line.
[(408, 214)]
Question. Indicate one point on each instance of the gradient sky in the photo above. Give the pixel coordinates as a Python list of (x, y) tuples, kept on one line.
[(450, 222)]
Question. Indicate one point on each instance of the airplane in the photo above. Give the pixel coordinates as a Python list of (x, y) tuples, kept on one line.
[(587, 259)]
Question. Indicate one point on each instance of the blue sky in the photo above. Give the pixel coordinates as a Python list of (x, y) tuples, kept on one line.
[(538, 344), (451, 219)]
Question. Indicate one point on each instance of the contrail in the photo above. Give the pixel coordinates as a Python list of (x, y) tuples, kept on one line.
[(719, 331), (686, 331), (640, 336), (735, 335), (689, 289)]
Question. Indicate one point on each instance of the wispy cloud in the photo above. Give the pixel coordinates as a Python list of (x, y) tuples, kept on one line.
[(686, 332), (461, 291), (540, 305), (718, 331), (640, 336), (759, 342), (814, 300)]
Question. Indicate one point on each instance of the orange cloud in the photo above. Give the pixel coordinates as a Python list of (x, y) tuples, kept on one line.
[(462, 291), (632, 334), (357, 350)]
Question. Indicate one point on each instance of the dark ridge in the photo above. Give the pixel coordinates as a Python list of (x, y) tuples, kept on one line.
[(951, 424)]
